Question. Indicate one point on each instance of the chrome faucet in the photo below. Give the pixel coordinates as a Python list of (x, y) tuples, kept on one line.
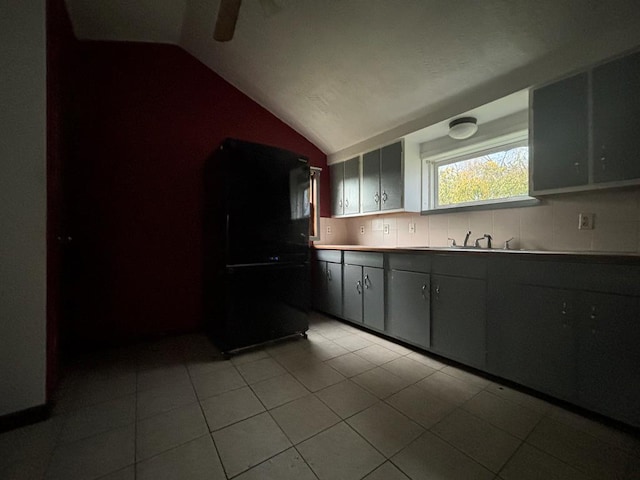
[(488, 237), (466, 238)]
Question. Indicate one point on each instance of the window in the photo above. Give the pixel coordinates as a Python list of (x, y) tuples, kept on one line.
[(314, 204), (493, 172)]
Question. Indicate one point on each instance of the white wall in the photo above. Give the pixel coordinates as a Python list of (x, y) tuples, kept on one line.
[(552, 225), (22, 205)]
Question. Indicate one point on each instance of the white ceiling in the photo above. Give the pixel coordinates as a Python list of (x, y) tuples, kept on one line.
[(351, 73)]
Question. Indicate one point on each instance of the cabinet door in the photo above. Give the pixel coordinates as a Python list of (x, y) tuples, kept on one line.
[(371, 181), (560, 134), (609, 355), (352, 308), (319, 284), (391, 184), (408, 307), (616, 122), (334, 289), (373, 308), (458, 318), (538, 346), (352, 186), (337, 188)]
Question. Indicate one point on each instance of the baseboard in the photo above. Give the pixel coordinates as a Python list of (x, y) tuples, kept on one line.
[(24, 417)]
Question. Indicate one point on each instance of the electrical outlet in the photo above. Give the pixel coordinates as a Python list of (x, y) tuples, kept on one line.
[(412, 227), (585, 221), (329, 230), (361, 229), (386, 229)]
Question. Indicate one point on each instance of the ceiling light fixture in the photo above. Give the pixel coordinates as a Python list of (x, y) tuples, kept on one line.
[(463, 127)]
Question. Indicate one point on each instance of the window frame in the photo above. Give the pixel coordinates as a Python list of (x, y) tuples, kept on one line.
[(493, 145), (314, 200)]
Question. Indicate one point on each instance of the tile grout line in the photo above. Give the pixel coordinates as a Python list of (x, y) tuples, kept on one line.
[(206, 422)]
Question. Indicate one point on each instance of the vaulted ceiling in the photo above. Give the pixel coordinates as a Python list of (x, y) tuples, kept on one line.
[(347, 73)]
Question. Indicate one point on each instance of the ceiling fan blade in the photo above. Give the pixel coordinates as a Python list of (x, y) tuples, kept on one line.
[(226, 21)]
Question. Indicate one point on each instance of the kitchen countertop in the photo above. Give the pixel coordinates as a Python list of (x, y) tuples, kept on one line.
[(607, 257)]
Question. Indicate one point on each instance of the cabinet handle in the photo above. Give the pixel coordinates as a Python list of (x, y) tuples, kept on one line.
[(577, 165), (564, 308), (603, 158), (359, 287), (376, 197), (424, 289), (340, 203), (367, 282), (328, 274), (438, 289), (346, 203), (384, 196)]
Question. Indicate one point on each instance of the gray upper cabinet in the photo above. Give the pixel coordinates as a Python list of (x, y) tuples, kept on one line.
[(560, 134), (382, 179), (337, 188), (584, 129), (616, 120), (391, 187), (352, 186), (345, 187), (408, 302), (371, 181)]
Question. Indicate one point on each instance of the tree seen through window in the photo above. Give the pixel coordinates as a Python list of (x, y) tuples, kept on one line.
[(494, 176)]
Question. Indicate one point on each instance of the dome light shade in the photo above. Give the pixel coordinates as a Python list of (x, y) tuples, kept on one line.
[(463, 127)]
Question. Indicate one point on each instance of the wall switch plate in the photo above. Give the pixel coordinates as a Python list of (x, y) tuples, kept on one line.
[(361, 229), (585, 221), (386, 229), (412, 227), (329, 230)]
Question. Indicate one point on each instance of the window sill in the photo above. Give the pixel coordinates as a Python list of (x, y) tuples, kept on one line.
[(527, 202)]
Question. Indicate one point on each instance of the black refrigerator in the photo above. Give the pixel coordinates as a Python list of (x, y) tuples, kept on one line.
[(257, 279)]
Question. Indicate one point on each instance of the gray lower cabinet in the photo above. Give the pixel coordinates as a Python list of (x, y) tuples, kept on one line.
[(458, 318), (334, 289), (373, 298), (364, 288), (533, 343), (327, 281), (609, 355), (408, 307), (352, 308)]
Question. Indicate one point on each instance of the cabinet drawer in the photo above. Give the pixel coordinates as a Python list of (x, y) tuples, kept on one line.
[(334, 256), (460, 266), (617, 279), (366, 259), (410, 262)]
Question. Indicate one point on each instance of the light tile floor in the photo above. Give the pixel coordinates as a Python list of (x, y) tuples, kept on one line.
[(343, 404)]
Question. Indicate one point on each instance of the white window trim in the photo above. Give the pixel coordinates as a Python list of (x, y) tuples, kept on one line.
[(496, 144), (316, 172)]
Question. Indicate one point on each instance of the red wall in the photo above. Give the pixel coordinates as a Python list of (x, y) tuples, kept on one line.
[(148, 116)]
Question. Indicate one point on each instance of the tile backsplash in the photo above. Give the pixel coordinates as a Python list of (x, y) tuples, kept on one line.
[(551, 225)]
